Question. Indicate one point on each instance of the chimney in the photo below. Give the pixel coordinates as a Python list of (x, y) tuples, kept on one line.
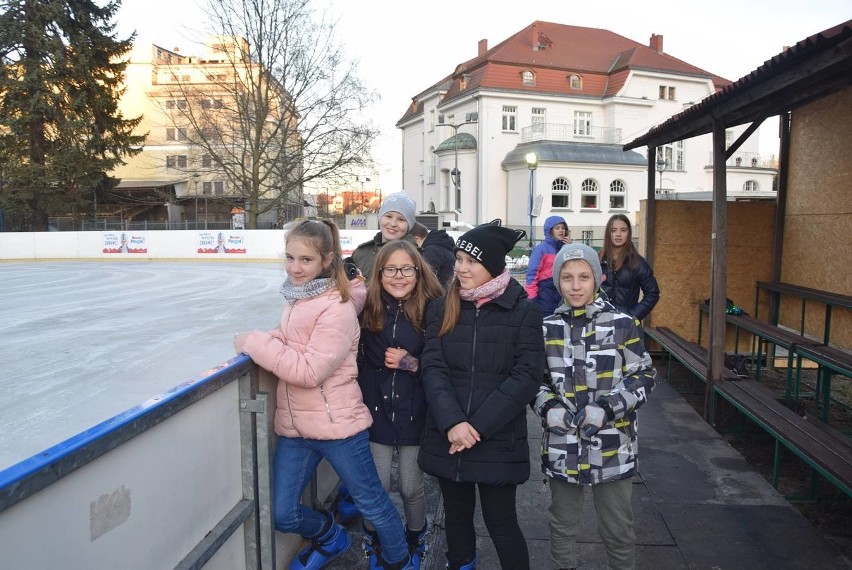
[(534, 37), (656, 43), (483, 46)]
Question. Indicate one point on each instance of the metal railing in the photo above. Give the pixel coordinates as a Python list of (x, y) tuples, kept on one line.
[(566, 133), (163, 470), (748, 160)]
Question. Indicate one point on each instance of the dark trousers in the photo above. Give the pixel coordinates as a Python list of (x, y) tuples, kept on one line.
[(501, 518)]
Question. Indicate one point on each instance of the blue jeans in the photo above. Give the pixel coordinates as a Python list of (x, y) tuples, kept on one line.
[(295, 461)]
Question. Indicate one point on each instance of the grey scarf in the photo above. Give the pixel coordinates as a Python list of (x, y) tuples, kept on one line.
[(310, 289)]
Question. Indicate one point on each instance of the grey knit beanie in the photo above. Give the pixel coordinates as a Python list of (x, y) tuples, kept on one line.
[(401, 203), (576, 250)]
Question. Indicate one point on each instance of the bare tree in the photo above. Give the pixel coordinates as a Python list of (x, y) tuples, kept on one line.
[(280, 105)]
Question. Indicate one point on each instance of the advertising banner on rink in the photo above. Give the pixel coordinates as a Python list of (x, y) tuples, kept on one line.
[(226, 241), (348, 242), (124, 242)]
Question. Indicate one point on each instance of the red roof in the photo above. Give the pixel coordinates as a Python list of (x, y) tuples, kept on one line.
[(555, 51)]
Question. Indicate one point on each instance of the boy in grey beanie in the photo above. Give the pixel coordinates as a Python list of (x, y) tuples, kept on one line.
[(577, 251), (598, 374)]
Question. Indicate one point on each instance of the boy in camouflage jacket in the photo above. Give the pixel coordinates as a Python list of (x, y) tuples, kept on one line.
[(598, 373)]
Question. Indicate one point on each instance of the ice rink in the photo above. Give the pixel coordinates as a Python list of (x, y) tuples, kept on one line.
[(83, 341)]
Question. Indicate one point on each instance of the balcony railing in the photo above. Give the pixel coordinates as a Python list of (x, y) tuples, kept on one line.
[(748, 160), (566, 133)]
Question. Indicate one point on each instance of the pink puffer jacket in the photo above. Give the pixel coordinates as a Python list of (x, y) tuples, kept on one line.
[(312, 353)]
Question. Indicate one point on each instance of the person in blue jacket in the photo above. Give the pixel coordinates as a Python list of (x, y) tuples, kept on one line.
[(539, 281)]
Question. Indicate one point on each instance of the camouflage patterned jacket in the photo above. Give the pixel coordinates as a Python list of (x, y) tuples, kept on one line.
[(593, 354)]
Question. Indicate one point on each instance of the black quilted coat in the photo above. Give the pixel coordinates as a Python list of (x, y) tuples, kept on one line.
[(485, 371), (622, 288)]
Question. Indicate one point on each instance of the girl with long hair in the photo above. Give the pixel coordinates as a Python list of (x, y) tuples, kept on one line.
[(320, 413), (482, 365), (389, 373), (626, 273)]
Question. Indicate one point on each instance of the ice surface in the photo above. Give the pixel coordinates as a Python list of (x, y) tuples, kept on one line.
[(83, 341)]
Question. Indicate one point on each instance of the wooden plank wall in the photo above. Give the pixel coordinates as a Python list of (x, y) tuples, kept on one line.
[(682, 259)]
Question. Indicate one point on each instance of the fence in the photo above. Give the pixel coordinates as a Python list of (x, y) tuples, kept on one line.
[(178, 481)]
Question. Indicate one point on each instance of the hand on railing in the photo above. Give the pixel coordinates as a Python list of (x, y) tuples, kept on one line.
[(240, 341)]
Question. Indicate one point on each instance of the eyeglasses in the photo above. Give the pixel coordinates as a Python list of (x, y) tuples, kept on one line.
[(406, 270)]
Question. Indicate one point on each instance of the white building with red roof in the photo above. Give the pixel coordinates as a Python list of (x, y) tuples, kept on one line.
[(573, 96)]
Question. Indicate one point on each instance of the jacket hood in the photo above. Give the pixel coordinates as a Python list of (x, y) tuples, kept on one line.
[(548, 225), (440, 238)]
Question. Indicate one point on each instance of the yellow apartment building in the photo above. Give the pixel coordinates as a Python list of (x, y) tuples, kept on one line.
[(184, 100)]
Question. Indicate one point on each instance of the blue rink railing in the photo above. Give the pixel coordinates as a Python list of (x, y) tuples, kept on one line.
[(179, 481)]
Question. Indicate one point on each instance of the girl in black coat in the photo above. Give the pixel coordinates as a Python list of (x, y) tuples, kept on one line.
[(483, 362), (389, 374), (626, 272)]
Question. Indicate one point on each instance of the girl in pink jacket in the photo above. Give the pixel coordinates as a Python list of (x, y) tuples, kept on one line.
[(320, 413)]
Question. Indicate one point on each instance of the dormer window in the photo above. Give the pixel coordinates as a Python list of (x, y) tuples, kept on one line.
[(575, 81), (528, 77), (463, 82)]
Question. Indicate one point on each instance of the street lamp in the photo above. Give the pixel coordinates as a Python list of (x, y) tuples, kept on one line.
[(661, 167), (455, 174), (195, 178), (362, 180), (532, 163)]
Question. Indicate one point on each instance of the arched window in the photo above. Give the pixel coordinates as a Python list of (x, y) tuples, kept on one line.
[(528, 77), (575, 81), (560, 193), (617, 195), (589, 194), (750, 186)]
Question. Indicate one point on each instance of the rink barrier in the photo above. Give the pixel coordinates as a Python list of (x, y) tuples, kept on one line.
[(182, 480), (171, 245)]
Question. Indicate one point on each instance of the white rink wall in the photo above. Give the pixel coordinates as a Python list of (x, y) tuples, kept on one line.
[(206, 245), (184, 245)]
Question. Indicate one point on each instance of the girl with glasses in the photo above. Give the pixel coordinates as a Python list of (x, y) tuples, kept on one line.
[(392, 340)]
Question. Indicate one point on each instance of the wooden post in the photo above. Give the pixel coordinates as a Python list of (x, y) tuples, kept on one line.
[(780, 209), (650, 214), (718, 268)]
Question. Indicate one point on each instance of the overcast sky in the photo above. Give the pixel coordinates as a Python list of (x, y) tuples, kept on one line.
[(404, 47)]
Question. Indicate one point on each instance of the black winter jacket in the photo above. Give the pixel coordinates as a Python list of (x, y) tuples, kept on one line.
[(622, 288), (395, 397), (439, 251), (485, 371)]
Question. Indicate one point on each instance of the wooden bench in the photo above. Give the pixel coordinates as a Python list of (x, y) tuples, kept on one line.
[(827, 451), (830, 360), (690, 354), (763, 331), (806, 294), (768, 334)]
